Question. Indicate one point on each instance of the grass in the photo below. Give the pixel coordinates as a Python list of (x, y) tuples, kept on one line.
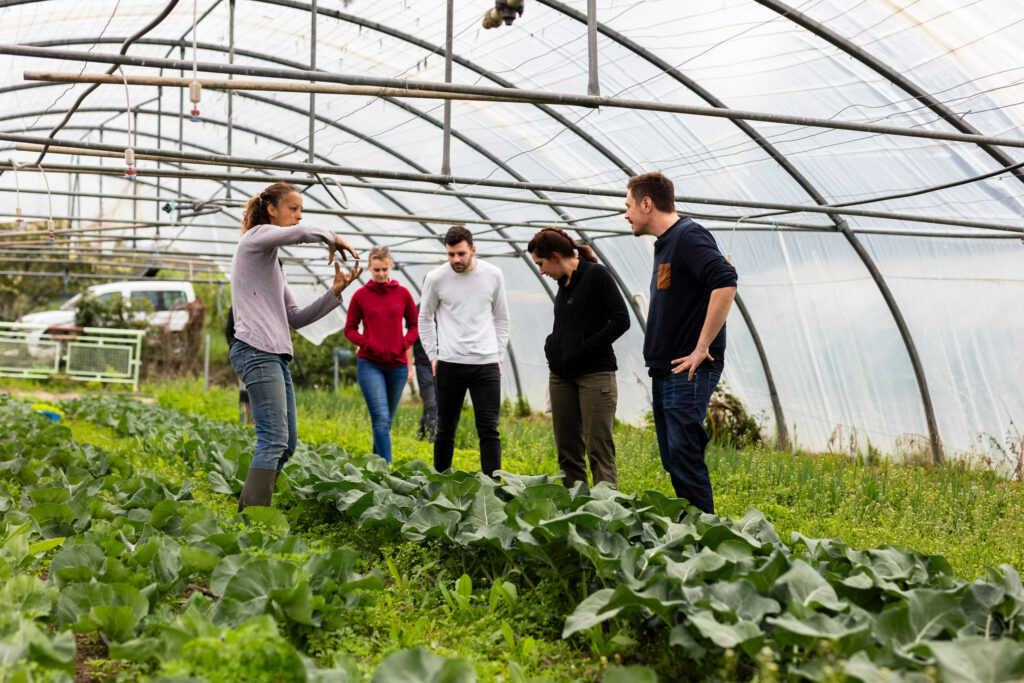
[(968, 514)]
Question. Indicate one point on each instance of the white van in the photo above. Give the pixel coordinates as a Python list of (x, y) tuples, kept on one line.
[(167, 299)]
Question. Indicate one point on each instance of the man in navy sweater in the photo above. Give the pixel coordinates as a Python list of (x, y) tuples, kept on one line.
[(692, 289)]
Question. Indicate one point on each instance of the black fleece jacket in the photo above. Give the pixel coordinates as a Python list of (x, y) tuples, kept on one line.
[(590, 314)]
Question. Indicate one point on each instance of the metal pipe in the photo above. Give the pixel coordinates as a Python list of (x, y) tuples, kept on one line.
[(441, 90), (206, 365), (312, 66), (640, 51), (126, 225), (265, 86), (449, 29), (181, 116), (192, 157), (593, 83), (231, 93), (604, 233), (776, 225)]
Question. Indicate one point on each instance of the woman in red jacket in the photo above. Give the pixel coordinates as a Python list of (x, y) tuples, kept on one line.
[(381, 365)]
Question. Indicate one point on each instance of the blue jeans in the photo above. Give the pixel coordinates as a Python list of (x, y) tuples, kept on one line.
[(272, 398), (680, 407), (382, 389)]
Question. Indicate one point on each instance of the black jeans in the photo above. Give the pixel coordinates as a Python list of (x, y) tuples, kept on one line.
[(484, 385)]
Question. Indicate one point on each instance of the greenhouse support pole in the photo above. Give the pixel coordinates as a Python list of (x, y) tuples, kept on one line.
[(908, 340), (71, 207), (781, 432), (135, 143), (159, 140), (446, 150), (312, 96), (231, 94), (206, 356), (593, 84), (181, 114)]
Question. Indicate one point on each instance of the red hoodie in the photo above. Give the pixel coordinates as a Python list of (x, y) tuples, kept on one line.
[(380, 308)]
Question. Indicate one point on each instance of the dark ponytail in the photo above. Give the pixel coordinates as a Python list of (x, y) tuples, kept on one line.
[(256, 208), (557, 241)]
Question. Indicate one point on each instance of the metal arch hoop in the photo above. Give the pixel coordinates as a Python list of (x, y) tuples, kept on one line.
[(797, 176)]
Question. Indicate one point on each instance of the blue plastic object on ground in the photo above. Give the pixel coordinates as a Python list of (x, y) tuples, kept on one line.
[(49, 411)]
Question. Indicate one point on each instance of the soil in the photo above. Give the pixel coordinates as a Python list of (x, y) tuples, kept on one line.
[(87, 646)]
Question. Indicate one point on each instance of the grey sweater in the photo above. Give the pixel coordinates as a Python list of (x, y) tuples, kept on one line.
[(262, 304)]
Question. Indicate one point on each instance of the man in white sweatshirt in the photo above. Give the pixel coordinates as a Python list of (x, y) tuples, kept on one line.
[(466, 345)]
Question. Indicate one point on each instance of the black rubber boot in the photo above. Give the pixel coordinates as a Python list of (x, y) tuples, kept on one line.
[(258, 488)]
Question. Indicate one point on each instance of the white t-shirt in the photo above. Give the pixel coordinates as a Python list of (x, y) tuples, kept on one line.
[(472, 315)]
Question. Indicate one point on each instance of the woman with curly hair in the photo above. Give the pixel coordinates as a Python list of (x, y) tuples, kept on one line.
[(264, 310)]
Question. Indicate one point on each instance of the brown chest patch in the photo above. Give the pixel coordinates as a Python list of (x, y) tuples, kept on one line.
[(664, 276)]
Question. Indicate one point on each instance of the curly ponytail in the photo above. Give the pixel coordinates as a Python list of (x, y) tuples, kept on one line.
[(557, 241), (256, 208)]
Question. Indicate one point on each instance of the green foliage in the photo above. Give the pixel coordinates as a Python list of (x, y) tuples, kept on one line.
[(313, 366), (498, 570), (716, 588), (21, 294), (114, 311), (728, 422), (130, 542)]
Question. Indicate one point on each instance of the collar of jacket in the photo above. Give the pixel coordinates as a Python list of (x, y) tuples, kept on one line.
[(381, 287)]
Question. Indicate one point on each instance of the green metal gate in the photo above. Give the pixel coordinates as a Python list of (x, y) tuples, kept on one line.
[(89, 354)]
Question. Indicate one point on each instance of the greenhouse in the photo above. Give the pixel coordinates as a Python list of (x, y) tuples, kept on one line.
[(860, 164)]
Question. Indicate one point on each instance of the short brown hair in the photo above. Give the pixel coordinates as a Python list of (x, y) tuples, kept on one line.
[(456, 234), (657, 187)]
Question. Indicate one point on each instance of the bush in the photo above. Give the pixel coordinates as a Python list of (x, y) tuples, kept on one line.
[(313, 365), (115, 311), (729, 423)]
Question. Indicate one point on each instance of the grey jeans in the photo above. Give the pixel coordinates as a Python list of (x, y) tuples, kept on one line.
[(583, 414)]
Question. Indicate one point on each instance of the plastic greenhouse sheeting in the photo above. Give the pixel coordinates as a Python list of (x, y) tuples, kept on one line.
[(841, 367)]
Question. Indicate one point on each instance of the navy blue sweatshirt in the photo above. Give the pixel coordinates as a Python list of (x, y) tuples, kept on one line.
[(590, 314), (687, 267)]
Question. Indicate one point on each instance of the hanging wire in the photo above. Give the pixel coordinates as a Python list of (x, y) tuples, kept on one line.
[(129, 153), (324, 180), (195, 88), (124, 49), (50, 224), (732, 234), (17, 192)]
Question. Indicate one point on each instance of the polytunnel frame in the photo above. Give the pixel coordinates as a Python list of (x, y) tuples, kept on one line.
[(781, 427), (840, 223), (368, 235), (160, 113)]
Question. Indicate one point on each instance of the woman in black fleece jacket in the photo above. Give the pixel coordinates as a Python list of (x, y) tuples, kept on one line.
[(590, 314)]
